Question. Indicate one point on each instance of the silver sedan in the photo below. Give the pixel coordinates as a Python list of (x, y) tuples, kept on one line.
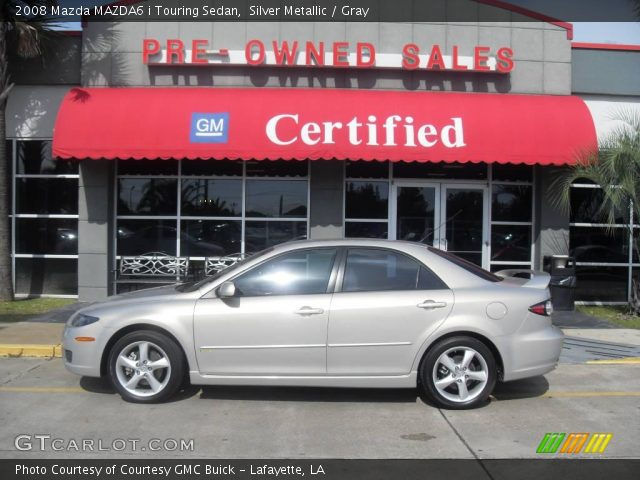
[(343, 313)]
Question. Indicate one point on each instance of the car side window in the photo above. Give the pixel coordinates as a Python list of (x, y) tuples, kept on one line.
[(370, 270), (302, 272)]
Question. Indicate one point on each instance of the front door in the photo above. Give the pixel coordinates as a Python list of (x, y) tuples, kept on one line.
[(449, 216), (276, 324)]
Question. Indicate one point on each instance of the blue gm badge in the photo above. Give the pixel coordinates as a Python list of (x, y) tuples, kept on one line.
[(209, 127)]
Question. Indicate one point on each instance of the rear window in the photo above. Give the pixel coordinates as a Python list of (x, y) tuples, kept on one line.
[(468, 266)]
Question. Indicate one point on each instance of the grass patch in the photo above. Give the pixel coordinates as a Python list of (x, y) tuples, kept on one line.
[(22, 309), (617, 314)]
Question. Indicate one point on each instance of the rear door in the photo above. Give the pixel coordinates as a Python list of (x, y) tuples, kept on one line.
[(385, 305)]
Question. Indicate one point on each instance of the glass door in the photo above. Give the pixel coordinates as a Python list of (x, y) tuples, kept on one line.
[(465, 219), (451, 217), (417, 212)]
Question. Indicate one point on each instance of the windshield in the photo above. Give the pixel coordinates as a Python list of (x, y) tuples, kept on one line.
[(193, 286)]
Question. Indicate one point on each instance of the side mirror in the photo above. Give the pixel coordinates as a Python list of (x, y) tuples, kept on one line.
[(226, 290)]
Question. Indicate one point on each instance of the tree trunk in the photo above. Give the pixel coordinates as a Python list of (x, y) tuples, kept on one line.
[(6, 283)]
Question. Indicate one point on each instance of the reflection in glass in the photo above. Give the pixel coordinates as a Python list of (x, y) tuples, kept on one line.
[(597, 244), (260, 234), (53, 276), (47, 235), (511, 203), (210, 238), (370, 270), (416, 215), (586, 204), (276, 198), (298, 273), (47, 195), (136, 237), (604, 284), (216, 198), (34, 158), (147, 196), (464, 223), (367, 199), (366, 230), (497, 268), (511, 243)]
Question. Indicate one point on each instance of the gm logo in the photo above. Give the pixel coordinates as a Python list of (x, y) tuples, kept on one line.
[(209, 127)]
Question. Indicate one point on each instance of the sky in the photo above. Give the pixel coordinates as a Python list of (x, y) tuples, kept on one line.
[(595, 32)]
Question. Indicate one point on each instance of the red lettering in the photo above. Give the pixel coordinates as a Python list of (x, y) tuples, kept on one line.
[(150, 46), (175, 48), (316, 55), (435, 59), (248, 52), (198, 47), (455, 65), (285, 56), (340, 58), (410, 58), (480, 58), (504, 60), (360, 52)]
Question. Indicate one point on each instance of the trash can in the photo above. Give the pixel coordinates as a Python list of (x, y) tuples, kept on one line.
[(563, 282)]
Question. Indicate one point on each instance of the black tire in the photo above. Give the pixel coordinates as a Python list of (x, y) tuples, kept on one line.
[(456, 345), (158, 346)]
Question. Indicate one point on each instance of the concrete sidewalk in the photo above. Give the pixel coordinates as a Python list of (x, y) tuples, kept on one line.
[(587, 337)]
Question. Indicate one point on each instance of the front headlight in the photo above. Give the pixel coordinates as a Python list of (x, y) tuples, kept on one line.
[(82, 320)]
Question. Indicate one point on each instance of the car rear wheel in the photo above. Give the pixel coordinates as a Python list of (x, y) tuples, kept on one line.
[(458, 373), (146, 367)]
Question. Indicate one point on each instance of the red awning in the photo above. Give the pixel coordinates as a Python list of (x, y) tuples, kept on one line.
[(292, 123)]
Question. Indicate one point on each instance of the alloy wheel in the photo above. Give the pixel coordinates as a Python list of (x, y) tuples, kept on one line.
[(143, 368), (460, 374)]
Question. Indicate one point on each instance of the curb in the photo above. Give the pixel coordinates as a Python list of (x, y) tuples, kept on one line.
[(617, 361), (30, 350)]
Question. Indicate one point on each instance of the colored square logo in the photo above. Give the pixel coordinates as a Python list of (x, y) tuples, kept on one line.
[(209, 127)]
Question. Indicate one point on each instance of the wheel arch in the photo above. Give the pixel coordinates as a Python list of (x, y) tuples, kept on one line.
[(467, 333), (135, 327)]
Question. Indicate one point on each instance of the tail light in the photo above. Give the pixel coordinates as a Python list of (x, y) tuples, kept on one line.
[(543, 308)]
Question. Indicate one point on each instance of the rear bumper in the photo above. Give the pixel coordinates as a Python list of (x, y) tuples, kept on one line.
[(533, 353)]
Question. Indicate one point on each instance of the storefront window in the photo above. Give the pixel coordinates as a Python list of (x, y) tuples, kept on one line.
[(440, 170), (601, 249), (367, 200), (45, 220), (223, 207), (511, 217), (215, 198)]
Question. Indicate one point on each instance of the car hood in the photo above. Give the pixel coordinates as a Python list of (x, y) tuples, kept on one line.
[(143, 294)]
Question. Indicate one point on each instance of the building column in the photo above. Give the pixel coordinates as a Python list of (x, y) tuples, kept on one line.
[(326, 186), (95, 249), (552, 224)]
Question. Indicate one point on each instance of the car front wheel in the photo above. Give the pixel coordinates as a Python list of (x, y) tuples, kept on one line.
[(458, 373), (146, 367)]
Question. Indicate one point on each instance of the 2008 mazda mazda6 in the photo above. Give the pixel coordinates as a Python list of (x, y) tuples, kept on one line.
[(343, 313)]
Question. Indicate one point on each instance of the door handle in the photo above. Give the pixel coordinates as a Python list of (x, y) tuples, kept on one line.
[(430, 304), (309, 311)]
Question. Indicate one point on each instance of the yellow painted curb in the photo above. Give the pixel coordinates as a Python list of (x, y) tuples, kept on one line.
[(30, 350), (617, 361)]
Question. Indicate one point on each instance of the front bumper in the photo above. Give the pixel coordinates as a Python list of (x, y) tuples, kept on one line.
[(83, 358), (533, 353)]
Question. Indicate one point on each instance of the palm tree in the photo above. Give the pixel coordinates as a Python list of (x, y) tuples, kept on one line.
[(24, 40), (616, 168)]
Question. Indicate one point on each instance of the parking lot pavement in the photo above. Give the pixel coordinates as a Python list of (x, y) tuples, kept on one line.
[(40, 397)]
